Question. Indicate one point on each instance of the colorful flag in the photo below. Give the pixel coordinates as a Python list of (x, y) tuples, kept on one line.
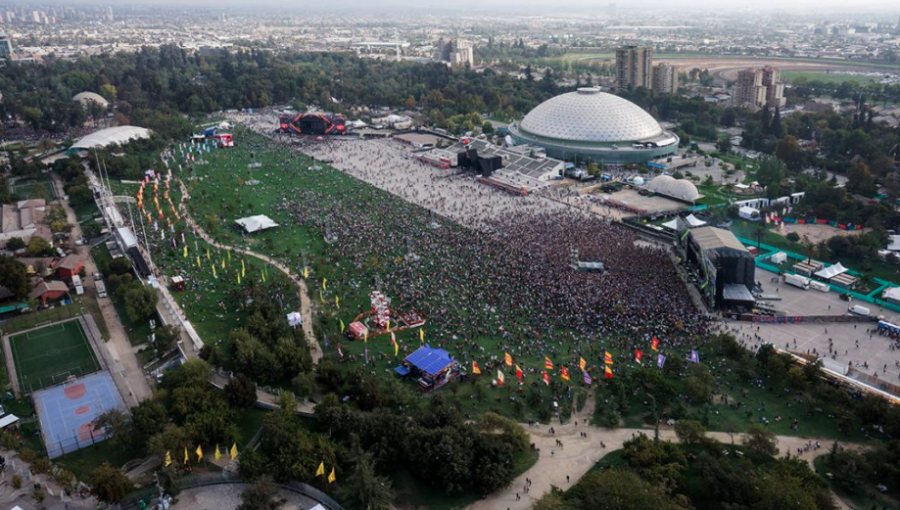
[(305, 273), (243, 269), (324, 283), (366, 336), (546, 377), (239, 278), (337, 302), (565, 373), (342, 325), (184, 252), (321, 470), (695, 356), (168, 458), (332, 477), (198, 261), (607, 358), (587, 379), (234, 452), (475, 369), (654, 344), (421, 335), (340, 352), (660, 361), (396, 346), (218, 454), (518, 373), (547, 363), (509, 362), (199, 452), (638, 355), (186, 458), (499, 377), (214, 270), (581, 363), (607, 372), (207, 254)]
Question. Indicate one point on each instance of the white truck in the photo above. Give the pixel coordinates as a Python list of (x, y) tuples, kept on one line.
[(859, 310), (797, 281), (76, 282)]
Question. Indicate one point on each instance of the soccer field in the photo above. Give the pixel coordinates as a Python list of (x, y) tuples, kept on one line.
[(47, 356), (34, 189)]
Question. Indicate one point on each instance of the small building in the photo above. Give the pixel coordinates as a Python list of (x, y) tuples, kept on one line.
[(68, 267), (178, 283), (807, 268), (891, 295), (749, 213), (357, 330), (432, 368), (49, 291)]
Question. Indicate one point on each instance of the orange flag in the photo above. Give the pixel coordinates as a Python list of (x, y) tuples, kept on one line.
[(547, 363), (509, 362), (475, 369)]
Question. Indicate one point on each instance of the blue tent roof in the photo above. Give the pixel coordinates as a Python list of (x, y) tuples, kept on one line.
[(428, 360)]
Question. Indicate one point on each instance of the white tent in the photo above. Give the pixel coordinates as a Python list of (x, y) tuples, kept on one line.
[(671, 225), (294, 319), (894, 244), (693, 221), (830, 272), (8, 420), (256, 223), (778, 258), (748, 213), (892, 294)]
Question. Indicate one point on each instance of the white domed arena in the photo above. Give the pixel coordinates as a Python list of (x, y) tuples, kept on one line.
[(592, 125)]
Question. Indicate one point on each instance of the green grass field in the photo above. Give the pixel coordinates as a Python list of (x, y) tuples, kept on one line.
[(35, 189), (824, 76), (44, 357)]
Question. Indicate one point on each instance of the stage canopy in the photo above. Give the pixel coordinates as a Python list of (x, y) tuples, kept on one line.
[(256, 223), (430, 361)]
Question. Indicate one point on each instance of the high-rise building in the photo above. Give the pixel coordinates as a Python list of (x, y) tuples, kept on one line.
[(771, 79), (665, 78), (634, 67), (455, 52), (5, 45), (749, 90)]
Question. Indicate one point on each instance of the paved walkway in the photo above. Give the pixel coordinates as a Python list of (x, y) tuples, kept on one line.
[(55, 496)]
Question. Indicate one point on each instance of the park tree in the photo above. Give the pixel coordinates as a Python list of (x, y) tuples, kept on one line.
[(690, 432), (140, 301), (364, 489), (618, 490), (39, 247), (117, 425), (109, 484), (262, 495), (109, 92), (770, 171), (240, 391), (164, 338), (860, 180), (15, 243), (487, 128), (760, 440), (723, 145), (14, 276)]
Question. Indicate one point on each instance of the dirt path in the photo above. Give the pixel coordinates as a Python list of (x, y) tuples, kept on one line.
[(579, 454), (305, 305)]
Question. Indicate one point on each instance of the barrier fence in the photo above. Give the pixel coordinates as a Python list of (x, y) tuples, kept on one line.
[(150, 494)]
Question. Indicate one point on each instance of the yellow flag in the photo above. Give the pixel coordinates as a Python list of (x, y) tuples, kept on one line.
[(186, 458), (184, 251), (324, 283), (223, 263), (331, 477), (396, 345), (582, 363), (264, 277), (234, 452), (199, 453), (388, 326), (207, 254), (168, 458), (337, 301), (321, 470), (198, 261), (305, 272), (421, 335), (321, 297), (243, 269), (239, 278), (342, 325), (214, 269), (366, 336), (229, 255), (218, 453)]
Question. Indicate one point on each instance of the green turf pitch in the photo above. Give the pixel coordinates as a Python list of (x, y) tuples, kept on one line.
[(46, 356), (34, 189)]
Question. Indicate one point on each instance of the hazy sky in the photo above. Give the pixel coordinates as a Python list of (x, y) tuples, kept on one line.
[(812, 7)]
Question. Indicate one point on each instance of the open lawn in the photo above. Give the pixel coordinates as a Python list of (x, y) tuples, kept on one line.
[(46, 356), (83, 461)]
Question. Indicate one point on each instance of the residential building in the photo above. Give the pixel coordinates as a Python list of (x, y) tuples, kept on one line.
[(455, 52), (634, 67), (5, 45), (665, 79), (749, 89), (771, 79)]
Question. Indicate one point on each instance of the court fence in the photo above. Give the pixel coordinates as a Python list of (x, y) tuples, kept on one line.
[(59, 446), (149, 496)]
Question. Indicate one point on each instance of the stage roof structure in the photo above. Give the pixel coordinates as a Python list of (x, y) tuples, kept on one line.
[(712, 238), (430, 360), (256, 223)]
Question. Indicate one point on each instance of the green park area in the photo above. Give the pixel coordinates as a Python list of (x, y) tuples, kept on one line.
[(825, 76)]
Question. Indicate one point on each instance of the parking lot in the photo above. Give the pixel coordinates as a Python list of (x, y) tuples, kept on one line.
[(872, 348)]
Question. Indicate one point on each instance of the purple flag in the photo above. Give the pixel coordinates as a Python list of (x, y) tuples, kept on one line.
[(695, 356), (326, 339), (660, 361), (587, 378)]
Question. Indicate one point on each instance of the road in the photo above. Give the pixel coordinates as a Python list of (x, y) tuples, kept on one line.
[(125, 369)]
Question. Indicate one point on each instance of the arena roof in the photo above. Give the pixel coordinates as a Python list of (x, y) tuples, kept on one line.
[(90, 97), (675, 188), (111, 136), (589, 115)]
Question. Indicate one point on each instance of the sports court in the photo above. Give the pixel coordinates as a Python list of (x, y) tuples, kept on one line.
[(67, 412), (49, 355)]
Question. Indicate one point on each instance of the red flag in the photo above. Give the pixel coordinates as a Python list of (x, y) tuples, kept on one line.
[(340, 352), (638, 355), (499, 378), (546, 377), (565, 373), (608, 359), (654, 344), (608, 372), (518, 373), (548, 364)]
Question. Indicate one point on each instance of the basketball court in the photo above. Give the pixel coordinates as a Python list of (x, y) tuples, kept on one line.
[(52, 354), (67, 412)]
